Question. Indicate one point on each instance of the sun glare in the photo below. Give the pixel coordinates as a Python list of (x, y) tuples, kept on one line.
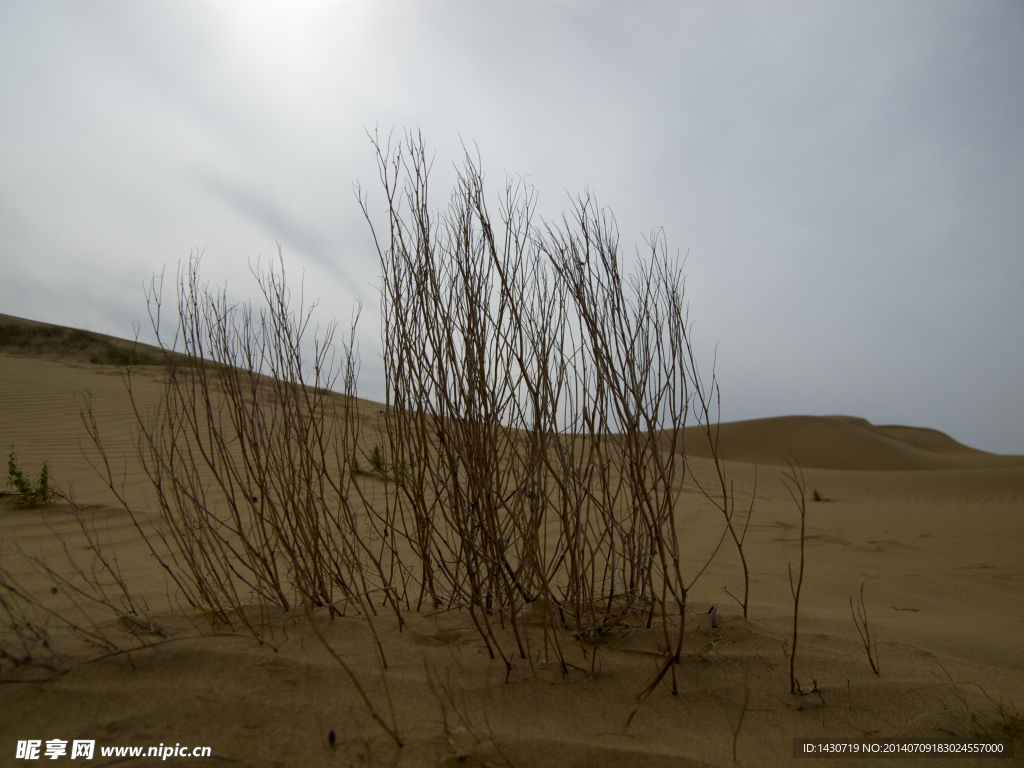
[(280, 40)]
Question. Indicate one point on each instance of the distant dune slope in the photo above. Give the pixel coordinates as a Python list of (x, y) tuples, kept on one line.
[(30, 338), (823, 442), (843, 442)]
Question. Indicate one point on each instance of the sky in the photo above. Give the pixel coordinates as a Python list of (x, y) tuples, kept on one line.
[(844, 179)]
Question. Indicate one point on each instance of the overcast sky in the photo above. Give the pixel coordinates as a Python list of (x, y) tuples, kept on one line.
[(847, 178)]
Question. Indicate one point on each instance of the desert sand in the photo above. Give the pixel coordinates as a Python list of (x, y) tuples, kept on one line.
[(933, 530)]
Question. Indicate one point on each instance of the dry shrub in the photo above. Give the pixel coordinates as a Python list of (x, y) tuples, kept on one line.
[(533, 454), (87, 603), (539, 397)]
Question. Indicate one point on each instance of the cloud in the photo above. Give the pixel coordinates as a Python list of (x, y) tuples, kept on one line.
[(847, 178)]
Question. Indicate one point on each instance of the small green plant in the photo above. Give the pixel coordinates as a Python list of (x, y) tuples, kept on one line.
[(377, 459), (817, 496), (29, 494)]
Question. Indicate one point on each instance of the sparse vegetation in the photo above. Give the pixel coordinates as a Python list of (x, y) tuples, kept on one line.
[(28, 493), (64, 342), (797, 488), (377, 460), (354, 466), (93, 593), (860, 619)]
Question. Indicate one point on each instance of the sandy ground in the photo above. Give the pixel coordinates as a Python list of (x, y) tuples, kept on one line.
[(932, 529)]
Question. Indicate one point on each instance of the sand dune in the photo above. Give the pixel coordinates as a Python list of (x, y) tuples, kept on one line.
[(933, 529), (844, 442)]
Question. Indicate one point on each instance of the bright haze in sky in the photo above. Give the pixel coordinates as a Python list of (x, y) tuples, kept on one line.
[(845, 179)]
